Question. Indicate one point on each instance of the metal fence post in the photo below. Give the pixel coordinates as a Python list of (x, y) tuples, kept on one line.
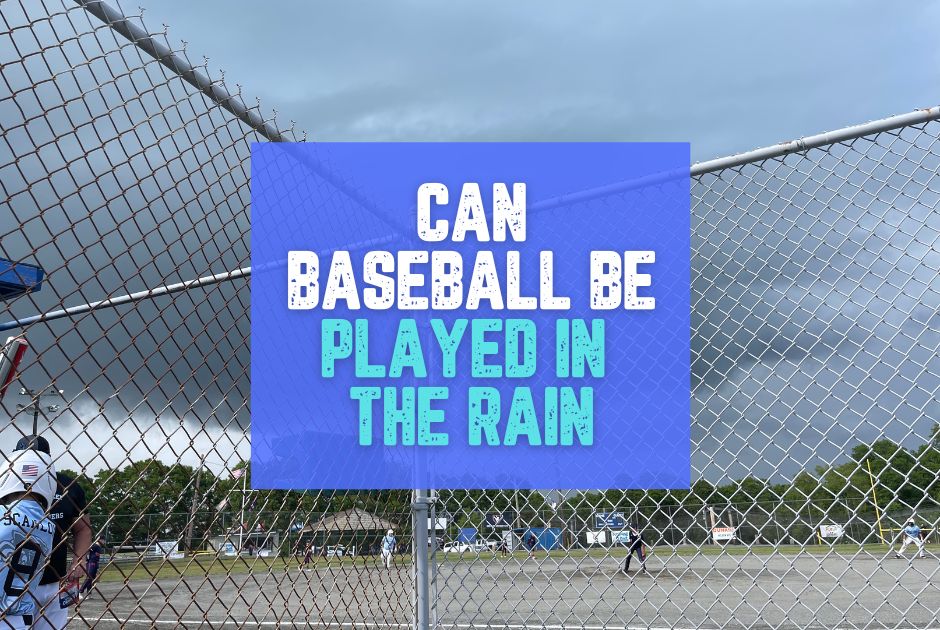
[(420, 557)]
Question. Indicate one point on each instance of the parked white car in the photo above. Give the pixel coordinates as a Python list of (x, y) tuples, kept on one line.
[(464, 547)]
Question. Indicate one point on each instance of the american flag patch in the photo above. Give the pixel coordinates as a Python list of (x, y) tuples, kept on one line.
[(30, 470)]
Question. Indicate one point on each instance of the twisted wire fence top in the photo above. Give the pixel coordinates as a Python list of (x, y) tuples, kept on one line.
[(815, 384)]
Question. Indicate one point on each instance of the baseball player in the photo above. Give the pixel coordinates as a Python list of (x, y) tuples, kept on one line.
[(67, 512), (91, 567), (911, 534), (637, 546), (27, 489), (389, 543), (531, 542)]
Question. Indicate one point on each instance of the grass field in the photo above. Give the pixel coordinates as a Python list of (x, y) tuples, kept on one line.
[(210, 564), (755, 588)]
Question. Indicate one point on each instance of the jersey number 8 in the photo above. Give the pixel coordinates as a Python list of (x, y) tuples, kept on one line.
[(23, 564)]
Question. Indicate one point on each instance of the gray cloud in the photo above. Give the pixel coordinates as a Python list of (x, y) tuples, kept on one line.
[(725, 77)]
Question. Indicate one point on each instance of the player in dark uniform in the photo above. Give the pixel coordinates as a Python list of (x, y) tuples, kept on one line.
[(531, 542), (637, 546), (94, 559), (68, 514)]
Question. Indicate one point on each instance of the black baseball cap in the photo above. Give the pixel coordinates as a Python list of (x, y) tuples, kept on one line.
[(33, 442)]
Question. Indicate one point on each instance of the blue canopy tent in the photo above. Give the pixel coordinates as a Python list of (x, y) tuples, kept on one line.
[(17, 278)]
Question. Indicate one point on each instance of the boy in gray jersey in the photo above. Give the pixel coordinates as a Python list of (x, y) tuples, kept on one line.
[(910, 535), (72, 525), (27, 489)]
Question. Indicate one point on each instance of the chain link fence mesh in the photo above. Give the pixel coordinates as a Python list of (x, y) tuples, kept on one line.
[(815, 409), (816, 381), (119, 176)]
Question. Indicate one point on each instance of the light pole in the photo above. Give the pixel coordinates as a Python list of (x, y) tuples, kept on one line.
[(35, 404)]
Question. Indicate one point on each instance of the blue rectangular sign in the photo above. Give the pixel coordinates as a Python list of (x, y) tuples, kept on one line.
[(611, 520), (501, 315)]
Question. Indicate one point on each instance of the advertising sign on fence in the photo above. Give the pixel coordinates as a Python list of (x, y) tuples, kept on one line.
[(165, 548), (495, 520), (612, 520), (831, 531), (596, 538), (622, 538), (722, 534)]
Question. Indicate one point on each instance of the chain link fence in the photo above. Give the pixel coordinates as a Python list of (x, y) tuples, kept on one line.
[(815, 379)]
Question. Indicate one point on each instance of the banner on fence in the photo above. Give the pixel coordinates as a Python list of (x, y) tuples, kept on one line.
[(831, 531), (613, 520), (495, 520), (597, 538), (723, 534), (165, 548)]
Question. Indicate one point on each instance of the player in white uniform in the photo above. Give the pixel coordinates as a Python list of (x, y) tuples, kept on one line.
[(389, 543), (911, 535), (27, 489)]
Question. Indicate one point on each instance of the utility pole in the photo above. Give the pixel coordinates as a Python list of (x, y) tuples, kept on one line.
[(193, 509), (241, 523)]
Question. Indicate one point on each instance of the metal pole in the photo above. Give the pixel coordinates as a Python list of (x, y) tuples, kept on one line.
[(171, 60), (781, 149), (419, 512), (432, 559), (193, 509), (36, 416), (711, 532), (241, 521), (217, 93), (169, 289)]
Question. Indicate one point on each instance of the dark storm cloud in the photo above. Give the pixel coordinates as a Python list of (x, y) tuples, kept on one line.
[(804, 343), (726, 76)]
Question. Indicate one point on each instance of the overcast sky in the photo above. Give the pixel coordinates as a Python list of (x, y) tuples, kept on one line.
[(788, 334), (726, 76)]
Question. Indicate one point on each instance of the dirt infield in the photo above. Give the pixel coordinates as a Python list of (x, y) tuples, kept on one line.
[(780, 591)]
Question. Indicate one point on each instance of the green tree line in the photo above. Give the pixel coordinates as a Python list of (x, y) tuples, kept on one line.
[(150, 500)]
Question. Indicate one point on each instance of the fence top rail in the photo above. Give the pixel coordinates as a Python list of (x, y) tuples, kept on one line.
[(890, 123), (139, 37)]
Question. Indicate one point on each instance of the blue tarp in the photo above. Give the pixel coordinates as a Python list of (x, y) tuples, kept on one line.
[(549, 537), (467, 535), (18, 278)]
